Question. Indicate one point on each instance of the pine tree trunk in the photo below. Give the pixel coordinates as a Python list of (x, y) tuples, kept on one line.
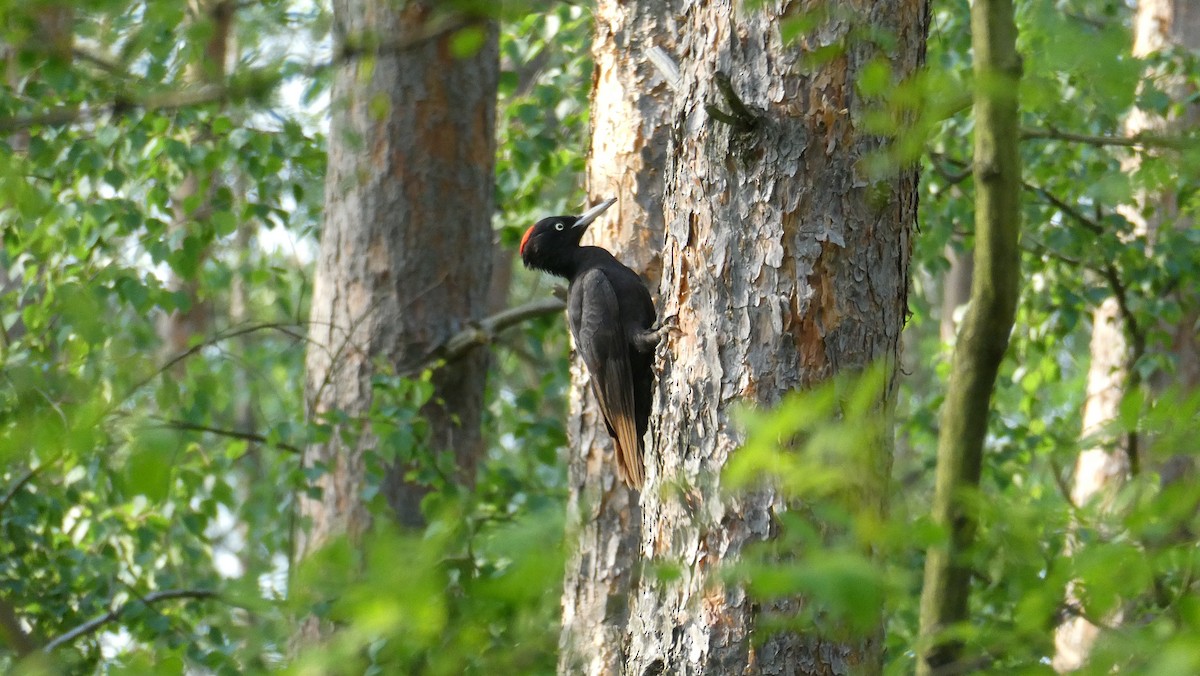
[(785, 264), (405, 249), (1100, 471), (630, 108)]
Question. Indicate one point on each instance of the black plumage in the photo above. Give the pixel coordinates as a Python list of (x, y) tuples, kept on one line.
[(612, 319)]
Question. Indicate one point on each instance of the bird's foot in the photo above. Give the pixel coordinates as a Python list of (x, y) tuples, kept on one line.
[(650, 338), (667, 325)]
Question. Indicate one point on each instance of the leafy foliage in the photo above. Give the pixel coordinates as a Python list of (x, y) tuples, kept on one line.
[(135, 463)]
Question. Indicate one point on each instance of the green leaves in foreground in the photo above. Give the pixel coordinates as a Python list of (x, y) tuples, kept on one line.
[(464, 596), (824, 449)]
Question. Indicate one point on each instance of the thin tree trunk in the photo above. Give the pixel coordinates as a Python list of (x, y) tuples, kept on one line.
[(785, 263), (630, 107), (405, 250), (181, 326), (983, 336), (1101, 470)]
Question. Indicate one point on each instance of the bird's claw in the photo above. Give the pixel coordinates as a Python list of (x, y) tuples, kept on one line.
[(668, 325)]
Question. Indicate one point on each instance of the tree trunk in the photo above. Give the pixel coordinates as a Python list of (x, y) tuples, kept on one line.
[(178, 328), (630, 108), (1100, 471), (405, 249), (785, 263), (983, 336)]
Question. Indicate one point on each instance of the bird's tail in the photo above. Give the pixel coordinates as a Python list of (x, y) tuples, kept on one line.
[(630, 466)]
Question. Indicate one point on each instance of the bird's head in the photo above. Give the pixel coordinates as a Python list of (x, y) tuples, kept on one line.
[(550, 243)]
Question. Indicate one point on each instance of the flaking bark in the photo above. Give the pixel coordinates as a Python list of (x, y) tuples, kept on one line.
[(785, 263), (630, 104)]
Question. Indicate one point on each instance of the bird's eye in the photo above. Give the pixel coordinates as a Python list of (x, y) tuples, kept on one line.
[(558, 226)]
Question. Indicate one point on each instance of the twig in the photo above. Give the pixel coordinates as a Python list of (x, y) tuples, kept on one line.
[(164, 102), (232, 333), (1142, 140), (1061, 483), (114, 614), (1137, 334), (26, 478), (255, 83), (233, 434), (951, 177)]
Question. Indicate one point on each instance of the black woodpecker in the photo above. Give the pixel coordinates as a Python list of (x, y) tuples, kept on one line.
[(612, 319)]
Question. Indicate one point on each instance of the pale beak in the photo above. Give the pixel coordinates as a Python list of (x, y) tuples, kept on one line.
[(591, 214)]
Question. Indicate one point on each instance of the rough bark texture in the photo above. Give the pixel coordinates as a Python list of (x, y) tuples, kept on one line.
[(630, 111), (785, 263), (406, 246), (983, 336), (1101, 470)]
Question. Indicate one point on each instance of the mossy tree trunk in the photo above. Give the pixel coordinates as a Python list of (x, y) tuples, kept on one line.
[(984, 332)]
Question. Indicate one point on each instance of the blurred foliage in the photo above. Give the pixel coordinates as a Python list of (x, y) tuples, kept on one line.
[(128, 469)]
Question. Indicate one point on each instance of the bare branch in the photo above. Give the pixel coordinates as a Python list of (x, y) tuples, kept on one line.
[(95, 623), (1142, 140), (284, 328), (740, 117), (486, 330), (232, 434)]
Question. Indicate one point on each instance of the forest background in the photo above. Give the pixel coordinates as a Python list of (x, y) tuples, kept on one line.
[(161, 202)]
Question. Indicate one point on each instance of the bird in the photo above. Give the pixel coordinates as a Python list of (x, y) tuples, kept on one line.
[(612, 320)]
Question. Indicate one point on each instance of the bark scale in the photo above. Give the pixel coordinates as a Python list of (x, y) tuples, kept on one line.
[(405, 249), (785, 263), (983, 335), (1101, 470), (630, 104)]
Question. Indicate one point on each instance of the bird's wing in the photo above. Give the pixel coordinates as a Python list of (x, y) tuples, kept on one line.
[(601, 342)]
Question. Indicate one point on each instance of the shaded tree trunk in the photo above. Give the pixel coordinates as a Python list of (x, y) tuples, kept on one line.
[(405, 250), (785, 264), (630, 113), (181, 326), (1117, 343)]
